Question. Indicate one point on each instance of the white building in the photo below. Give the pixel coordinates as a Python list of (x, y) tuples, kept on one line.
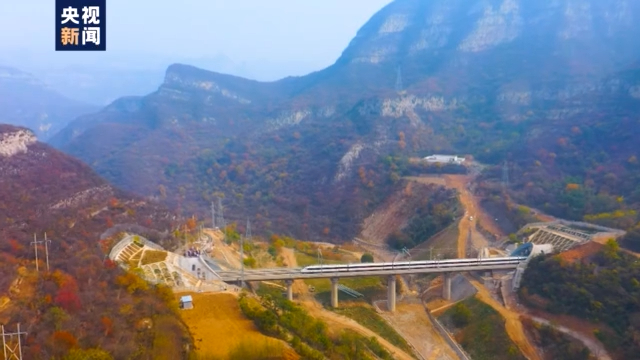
[(444, 159), (186, 302)]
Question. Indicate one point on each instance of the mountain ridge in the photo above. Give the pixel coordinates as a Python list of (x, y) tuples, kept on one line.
[(419, 77), (27, 101)]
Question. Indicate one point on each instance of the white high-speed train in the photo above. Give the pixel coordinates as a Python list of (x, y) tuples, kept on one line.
[(413, 265)]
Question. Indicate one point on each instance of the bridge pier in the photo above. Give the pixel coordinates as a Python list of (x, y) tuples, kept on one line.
[(334, 292), (391, 293), (289, 284), (446, 286)]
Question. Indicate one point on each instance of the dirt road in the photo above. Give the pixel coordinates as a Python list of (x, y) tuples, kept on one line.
[(222, 251), (595, 347), (579, 329), (299, 287), (467, 228), (513, 326)]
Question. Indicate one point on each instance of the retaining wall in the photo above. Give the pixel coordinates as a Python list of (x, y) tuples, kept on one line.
[(446, 336)]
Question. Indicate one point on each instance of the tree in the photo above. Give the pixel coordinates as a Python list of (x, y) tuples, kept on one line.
[(107, 325), (461, 315), (191, 223), (67, 296), (611, 249), (55, 316), (64, 340), (250, 262), (366, 258)]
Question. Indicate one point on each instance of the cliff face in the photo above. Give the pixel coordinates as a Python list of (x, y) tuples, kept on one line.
[(466, 76), (15, 140)]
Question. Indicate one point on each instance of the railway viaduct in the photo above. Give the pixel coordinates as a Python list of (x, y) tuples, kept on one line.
[(335, 272)]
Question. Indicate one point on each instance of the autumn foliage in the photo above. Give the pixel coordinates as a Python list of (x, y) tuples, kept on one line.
[(67, 296), (75, 309), (64, 340)]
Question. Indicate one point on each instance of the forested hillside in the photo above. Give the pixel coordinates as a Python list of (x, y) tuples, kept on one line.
[(604, 290), (82, 301), (531, 82), (585, 166)]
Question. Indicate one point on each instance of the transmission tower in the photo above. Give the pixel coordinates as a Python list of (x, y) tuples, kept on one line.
[(221, 222), (220, 213), (35, 243), (11, 346), (505, 174), (213, 216), (241, 262), (248, 230), (46, 249), (399, 86)]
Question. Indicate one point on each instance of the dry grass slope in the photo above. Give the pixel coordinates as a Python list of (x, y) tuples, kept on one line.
[(218, 326), (153, 256)]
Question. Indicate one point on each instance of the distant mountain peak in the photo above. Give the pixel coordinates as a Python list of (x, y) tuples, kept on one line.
[(15, 140), (11, 75), (410, 30), (29, 102)]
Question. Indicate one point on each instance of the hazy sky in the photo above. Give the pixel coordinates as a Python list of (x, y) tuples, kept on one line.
[(309, 33)]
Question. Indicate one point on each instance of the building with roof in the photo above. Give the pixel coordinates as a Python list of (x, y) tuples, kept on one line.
[(444, 159), (186, 302)]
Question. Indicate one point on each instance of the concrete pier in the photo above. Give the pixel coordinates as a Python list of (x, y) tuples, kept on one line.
[(289, 284), (391, 293), (334, 292), (446, 286)]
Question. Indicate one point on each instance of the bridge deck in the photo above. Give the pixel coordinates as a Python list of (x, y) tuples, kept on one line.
[(296, 273)]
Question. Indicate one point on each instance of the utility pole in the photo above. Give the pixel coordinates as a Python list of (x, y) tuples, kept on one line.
[(221, 222), (241, 262), (46, 249), (213, 216), (248, 230), (11, 349), (35, 245)]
